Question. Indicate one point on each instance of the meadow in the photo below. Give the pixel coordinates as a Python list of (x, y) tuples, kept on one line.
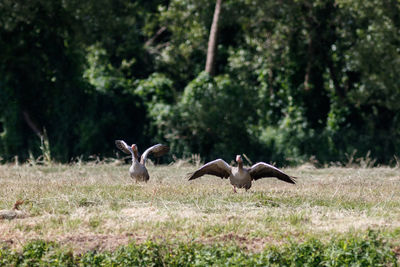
[(96, 207)]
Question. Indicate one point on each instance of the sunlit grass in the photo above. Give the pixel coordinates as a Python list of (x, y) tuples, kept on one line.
[(67, 203)]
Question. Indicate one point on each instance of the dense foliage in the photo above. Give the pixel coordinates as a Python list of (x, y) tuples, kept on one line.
[(294, 79), (369, 250)]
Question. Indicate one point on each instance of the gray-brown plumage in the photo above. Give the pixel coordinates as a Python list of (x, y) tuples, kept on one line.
[(138, 170), (238, 176)]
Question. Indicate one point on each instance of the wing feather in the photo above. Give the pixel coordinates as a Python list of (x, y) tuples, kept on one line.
[(123, 146), (262, 169), (216, 167), (156, 151)]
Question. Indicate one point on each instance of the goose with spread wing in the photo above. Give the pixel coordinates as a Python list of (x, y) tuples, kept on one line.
[(241, 177), (138, 170)]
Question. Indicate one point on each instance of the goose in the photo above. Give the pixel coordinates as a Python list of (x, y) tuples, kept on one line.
[(138, 170), (238, 176)]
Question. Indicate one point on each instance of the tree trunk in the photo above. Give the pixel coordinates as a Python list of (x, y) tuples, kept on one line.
[(212, 41)]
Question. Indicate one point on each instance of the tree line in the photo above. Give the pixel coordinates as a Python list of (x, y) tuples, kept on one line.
[(284, 81)]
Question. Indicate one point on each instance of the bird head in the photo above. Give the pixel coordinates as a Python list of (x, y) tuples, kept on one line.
[(134, 147), (239, 159)]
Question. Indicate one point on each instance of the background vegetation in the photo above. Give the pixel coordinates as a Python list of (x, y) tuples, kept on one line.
[(293, 79)]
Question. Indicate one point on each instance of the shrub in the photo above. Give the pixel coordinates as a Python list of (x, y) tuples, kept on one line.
[(212, 118)]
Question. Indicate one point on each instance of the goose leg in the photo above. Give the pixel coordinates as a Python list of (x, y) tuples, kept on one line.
[(234, 189)]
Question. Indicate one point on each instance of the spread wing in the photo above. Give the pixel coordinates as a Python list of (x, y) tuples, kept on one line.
[(261, 170), (123, 146), (216, 167), (156, 150)]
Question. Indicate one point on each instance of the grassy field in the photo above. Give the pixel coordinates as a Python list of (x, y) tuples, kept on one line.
[(86, 207)]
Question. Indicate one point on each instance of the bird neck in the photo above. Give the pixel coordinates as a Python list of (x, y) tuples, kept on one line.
[(135, 156), (240, 165)]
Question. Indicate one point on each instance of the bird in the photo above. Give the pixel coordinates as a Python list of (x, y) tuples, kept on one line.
[(241, 177), (138, 170)]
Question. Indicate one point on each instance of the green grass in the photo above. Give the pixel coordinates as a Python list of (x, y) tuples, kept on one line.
[(367, 250), (87, 207)]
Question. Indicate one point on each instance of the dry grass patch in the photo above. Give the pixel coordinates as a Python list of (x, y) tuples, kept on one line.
[(101, 206)]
